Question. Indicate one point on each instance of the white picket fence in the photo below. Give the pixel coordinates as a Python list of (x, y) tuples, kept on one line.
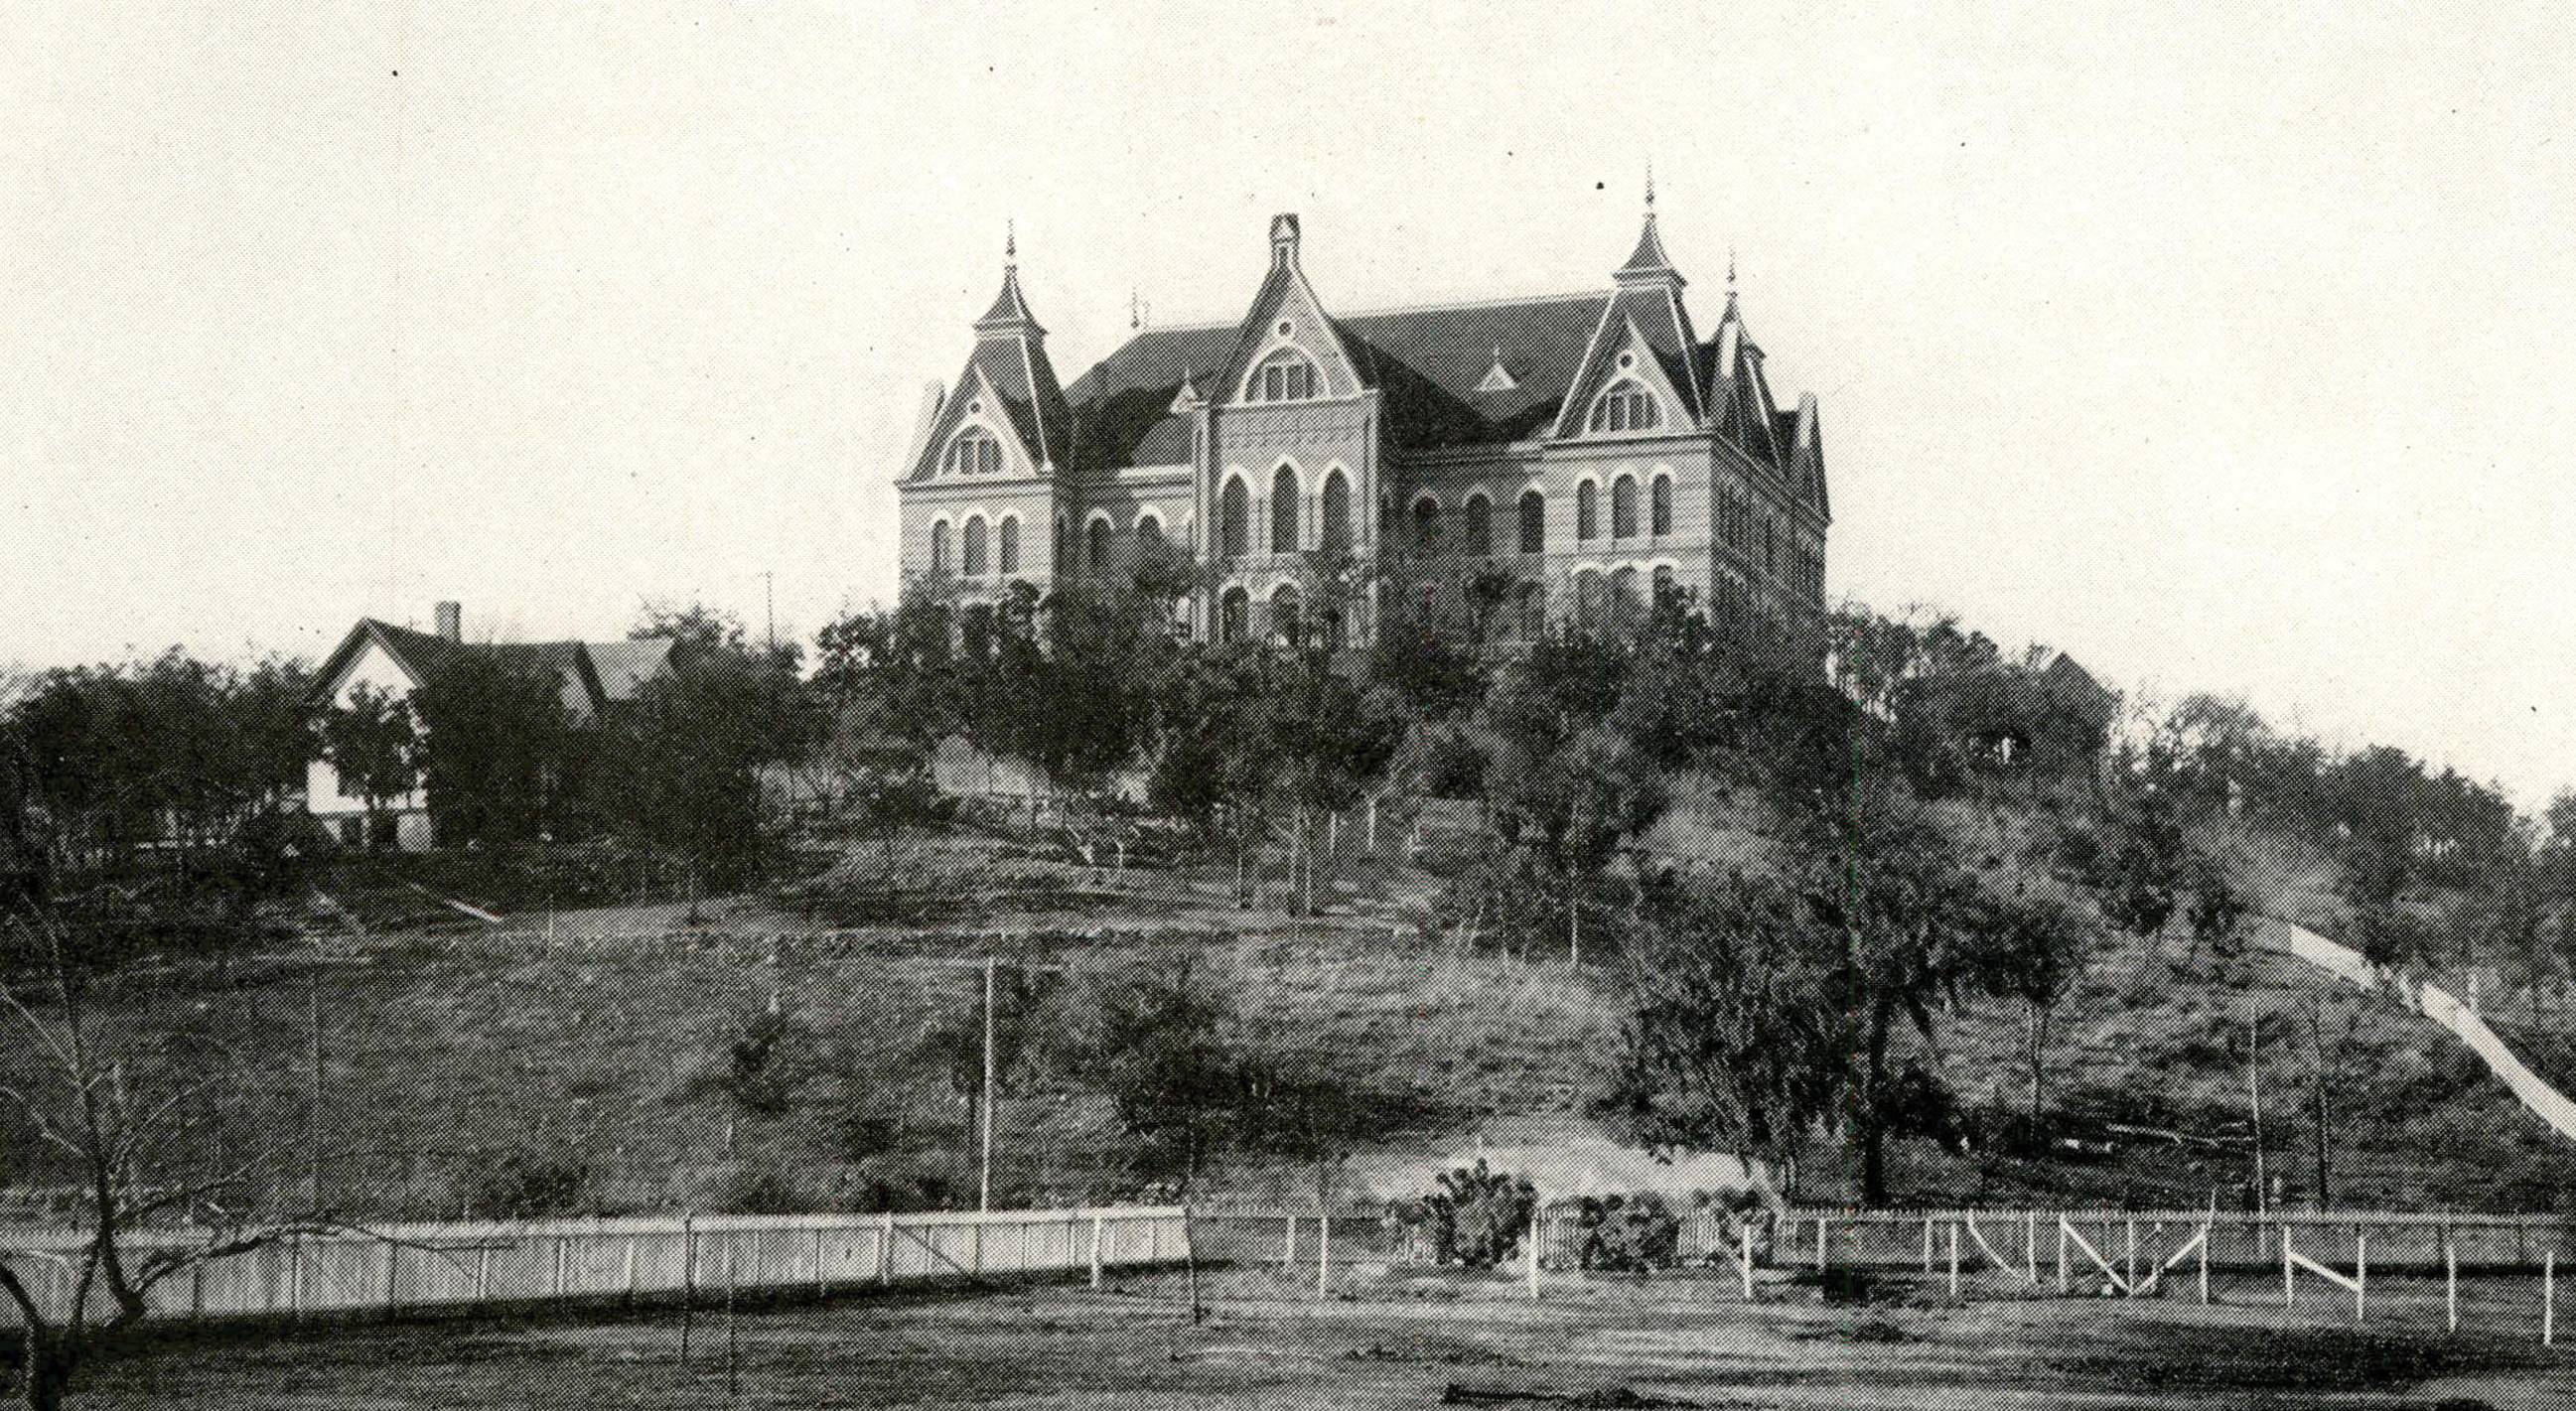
[(2436, 1004), (391, 1268)]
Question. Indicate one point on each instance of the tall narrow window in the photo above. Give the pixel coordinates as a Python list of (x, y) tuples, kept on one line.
[(1284, 376), (1426, 525), (1623, 594), (1234, 615), (974, 452), (1149, 530), (1533, 522), (1623, 507), (1234, 520), (1476, 526), (939, 547), (1337, 512), (1283, 510), (1587, 598), (1587, 512), (976, 564), (1096, 547), (1626, 406), (1662, 512), (1010, 552)]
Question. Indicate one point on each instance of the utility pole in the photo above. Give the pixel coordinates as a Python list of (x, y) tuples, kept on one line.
[(984, 1187), (2254, 1100), (2317, 1038), (769, 604)]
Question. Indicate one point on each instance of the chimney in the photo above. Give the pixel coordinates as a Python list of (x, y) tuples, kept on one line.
[(451, 622)]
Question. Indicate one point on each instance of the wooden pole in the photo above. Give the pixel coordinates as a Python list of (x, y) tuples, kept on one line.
[(885, 1250), (688, 1282), (2061, 1254), (2289, 1277), (2030, 1242), (1927, 1245), (1323, 1255), (2450, 1281), (2548, 1297), (2360, 1274), (1820, 1244), (1745, 1264), (630, 1268), (1954, 1259), (733, 1354), (1099, 1226), (2129, 1256), (2204, 1263), (984, 1184), (1538, 1222), (1190, 1263)]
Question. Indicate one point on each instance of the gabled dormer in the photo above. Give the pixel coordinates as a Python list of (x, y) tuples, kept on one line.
[(1644, 340), (1008, 390), (1287, 349), (1806, 464)]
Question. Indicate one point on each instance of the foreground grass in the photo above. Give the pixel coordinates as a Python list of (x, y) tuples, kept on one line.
[(1387, 1340)]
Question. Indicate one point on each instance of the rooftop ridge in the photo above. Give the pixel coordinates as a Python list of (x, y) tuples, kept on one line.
[(1431, 307)]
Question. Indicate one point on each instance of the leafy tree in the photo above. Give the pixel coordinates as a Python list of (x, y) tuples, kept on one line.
[(1560, 817), (494, 749), (372, 739), (1158, 1041), (2032, 951), (2135, 866), (679, 768), (1327, 742)]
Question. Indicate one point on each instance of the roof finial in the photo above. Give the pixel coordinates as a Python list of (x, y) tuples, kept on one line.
[(1135, 309), (1011, 241), (1730, 268), (1650, 188)]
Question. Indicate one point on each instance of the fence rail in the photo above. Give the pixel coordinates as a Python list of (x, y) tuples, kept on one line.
[(393, 1268), (2027, 1239)]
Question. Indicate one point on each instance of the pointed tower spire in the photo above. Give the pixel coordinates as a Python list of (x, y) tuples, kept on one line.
[(1648, 263), (1010, 311)]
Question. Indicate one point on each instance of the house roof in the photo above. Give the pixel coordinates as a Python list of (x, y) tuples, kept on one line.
[(591, 674)]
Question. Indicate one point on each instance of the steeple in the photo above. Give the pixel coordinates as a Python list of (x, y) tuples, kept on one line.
[(1647, 264), (1010, 311)]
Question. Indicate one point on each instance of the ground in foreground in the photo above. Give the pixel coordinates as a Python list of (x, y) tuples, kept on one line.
[(1680, 1341)]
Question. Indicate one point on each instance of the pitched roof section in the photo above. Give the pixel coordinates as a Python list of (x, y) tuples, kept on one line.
[(1649, 257), (591, 673), (1122, 408)]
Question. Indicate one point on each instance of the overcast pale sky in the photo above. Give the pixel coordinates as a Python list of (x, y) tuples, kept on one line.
[(2225, 348)]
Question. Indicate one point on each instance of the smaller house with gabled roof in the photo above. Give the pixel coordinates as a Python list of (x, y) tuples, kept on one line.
[(595, 677)]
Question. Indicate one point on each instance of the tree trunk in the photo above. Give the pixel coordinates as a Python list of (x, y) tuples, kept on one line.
[(45, 1370), (1873, 1122), (2038, 1061)]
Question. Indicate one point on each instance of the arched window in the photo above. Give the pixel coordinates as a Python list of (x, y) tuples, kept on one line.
[(1234, 615), (1426, 525), (1623, 594), (1234, 520), (1623, 507), (1149, 529), (1096, 546), (1283, 510), (1587, 512), (976, 563), (939, 547), (1284, 376), (1476, 526), (1533, 522), (974, 452), (1287, 619), (1587, 598), (1626, 406), (1337, 512), (1010, 552), (1662, 513)]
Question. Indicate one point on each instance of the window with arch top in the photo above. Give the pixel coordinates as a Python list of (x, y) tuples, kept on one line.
[(1626, 406), (1284, 494), (974, 452), (1010, 546), (1285, 376), (1336, 513), (1426, 525), (977, 565), (1623, 507), (1476, 526), (1587, 512), (939, 547), (1660, 516), (1234, 519), (1533, 522), (1096, 545)]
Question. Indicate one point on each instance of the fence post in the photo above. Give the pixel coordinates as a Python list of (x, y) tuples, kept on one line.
[(563, 1257), (1288, 1261), (393, 1251), (295, 1277), (2061, 1253), (1820, 1244), (1746, 1264), (1954, 1259), (2129, 1255), (1538, 1223), (631, 1242), (2450, 1280), (2289, 1277), (2360, 1273), (1098, 1226), (2548, 1297), (822, 1283), (1323, 1255), (2204, 1261), (2030, 1242), (885, 1249), (1927, 1244)]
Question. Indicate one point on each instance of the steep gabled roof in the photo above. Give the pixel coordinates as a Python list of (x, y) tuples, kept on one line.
[(426, 657), (1122, 408)]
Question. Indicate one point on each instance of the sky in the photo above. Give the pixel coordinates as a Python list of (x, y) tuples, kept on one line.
[(2225, 347)]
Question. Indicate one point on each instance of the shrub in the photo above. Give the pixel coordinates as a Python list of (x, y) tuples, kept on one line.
[(1476, 1218), (527, 1183), (1627, 1233), (764, 1191)]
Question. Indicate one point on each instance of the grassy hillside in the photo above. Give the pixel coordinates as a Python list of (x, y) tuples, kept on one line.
[(462, 1066)]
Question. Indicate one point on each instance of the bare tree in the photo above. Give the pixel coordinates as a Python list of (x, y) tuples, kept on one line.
[(157, 1197)]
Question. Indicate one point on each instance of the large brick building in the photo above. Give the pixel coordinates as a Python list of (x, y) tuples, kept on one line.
[(1592, 447)]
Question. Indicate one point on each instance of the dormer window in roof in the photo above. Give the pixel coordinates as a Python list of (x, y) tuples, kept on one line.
[(1498, 378), (1285, 376), (974, 451), (1625, 405)]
